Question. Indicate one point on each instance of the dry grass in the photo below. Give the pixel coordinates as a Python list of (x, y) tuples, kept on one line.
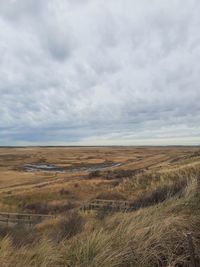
[(150, 237), (168, 203), (18, 187)]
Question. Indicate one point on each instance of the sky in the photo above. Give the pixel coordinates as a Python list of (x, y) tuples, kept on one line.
[(99, 72)]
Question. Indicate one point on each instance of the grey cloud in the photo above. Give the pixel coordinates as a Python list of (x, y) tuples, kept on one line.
[(110, 71)]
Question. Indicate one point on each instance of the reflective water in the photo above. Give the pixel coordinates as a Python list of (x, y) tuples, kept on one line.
[(53, 168)]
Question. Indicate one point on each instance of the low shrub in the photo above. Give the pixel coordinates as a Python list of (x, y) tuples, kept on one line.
[(160, 194), (94, 174), (63, 191), (36, 207), (120, 174), (49, 208), (67, 227), (111, 196), (22, 235)]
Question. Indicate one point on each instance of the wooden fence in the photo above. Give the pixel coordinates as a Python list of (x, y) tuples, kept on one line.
[(95, 204), (107, 205), (22, 218)]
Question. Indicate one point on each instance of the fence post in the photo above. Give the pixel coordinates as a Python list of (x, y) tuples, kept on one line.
[(7, 219), (30, 221), (191, 249)]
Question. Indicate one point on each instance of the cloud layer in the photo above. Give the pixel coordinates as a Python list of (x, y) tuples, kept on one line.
[(99, 72)]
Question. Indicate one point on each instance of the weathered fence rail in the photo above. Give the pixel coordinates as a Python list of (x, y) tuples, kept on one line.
[(95, 204), (109, 205), (22, 218)]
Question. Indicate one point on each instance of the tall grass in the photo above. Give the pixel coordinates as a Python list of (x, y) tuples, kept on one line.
[(152, 236)]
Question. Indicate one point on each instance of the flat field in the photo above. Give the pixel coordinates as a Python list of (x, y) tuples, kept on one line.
[(63, 177)]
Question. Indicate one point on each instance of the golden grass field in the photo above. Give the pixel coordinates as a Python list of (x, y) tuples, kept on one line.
[(162, 183)]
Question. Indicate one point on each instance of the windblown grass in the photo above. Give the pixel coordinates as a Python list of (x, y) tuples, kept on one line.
[(151, 236)]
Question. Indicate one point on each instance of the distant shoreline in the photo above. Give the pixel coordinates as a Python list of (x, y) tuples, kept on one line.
[(99, 146)]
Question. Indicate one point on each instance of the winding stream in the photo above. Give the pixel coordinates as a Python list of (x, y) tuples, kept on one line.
[(55, 169)]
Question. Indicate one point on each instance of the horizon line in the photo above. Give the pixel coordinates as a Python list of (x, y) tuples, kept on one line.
[(46, 146)]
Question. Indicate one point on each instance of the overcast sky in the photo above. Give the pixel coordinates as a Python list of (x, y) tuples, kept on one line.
[(98, 72)]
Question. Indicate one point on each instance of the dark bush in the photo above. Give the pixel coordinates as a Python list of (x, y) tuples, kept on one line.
[(101, 214), (111, 196), (37, 207), (60, 207), (22, 235), (160, 194), (3, 231), (63, 191), (48, 208), (115, 183), (94, 174), (119, 174), (67, 227)]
